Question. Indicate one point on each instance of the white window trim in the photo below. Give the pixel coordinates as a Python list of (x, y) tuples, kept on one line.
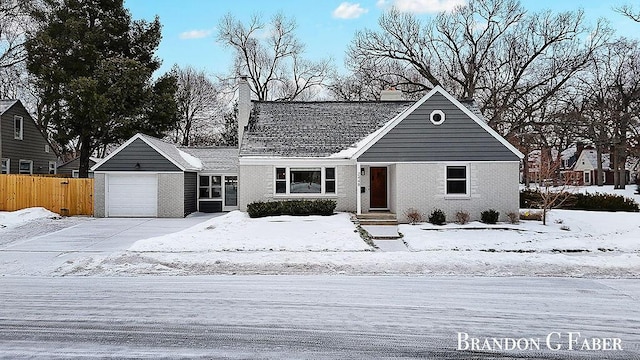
[(54, 168), (322, 193), (436, 112), (467, 180), (47, 148), (210, 186), (75, 174), (21, 136), (30, 167), (225, 207), (8, 165)]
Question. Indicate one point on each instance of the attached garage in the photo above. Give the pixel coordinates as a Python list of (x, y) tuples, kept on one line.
[(146, 177), (131, 195)]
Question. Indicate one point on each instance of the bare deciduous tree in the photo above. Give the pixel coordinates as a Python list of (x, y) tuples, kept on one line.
[(199, 105), (271, 56), (629, 11)]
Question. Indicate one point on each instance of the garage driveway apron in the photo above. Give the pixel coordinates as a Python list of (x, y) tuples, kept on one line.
[(42, 255)]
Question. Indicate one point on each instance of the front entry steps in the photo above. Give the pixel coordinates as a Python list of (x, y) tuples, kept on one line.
[(377, 218), (380, 225)]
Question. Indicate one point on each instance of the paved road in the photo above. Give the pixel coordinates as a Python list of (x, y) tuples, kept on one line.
[(39, 248), (322, 317)]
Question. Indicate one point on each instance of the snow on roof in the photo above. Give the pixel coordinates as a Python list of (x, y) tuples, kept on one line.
[(215, 159), (5, 104), (195, 162)]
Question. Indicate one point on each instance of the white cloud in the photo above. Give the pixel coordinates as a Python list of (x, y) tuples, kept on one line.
[(421, 6), (347, 10), (195, 34)]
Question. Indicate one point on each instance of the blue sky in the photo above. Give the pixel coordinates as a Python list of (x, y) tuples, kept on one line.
[(325, 26)]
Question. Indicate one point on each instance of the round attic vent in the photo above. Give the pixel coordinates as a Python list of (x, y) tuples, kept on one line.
[(436, 117)]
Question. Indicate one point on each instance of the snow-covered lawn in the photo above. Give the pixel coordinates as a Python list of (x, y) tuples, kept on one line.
[(237, 232), (596, 244), (566, 230), (10, 219)]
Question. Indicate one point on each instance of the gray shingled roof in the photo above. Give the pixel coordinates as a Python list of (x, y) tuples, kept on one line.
[(314, 129), (6, 104), (170, 151), (216, 159)]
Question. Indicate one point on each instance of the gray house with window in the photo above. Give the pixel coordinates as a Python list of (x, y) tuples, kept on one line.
[(390, 155), (24, 149), (378, 156)]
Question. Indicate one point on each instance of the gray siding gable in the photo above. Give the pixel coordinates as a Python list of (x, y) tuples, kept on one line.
[(137, 152), (32, 145), (458, 138)]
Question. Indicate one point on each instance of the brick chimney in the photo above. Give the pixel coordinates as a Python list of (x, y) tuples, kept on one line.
[(391, 95), (579, 147), (244, 106)]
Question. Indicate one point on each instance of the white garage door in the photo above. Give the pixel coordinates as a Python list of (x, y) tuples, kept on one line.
[(134, 195)]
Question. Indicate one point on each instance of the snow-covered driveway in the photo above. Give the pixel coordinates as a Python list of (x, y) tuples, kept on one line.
[(21, 254), (311, 317)]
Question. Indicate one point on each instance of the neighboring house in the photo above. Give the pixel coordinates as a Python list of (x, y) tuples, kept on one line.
[(586, 168), (568, 158), (71, 168), (23, 147), (367, 156)]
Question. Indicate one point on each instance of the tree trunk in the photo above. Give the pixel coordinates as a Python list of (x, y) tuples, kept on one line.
[(599, 171), (85, 153)]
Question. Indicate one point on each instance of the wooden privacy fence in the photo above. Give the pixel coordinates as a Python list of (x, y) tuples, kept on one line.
[(65, 196)]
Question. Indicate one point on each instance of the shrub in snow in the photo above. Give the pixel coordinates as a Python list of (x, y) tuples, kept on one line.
[(414, 216), (489, 216), (514, 218), (530, 199), (462, 217), (437, 217), (604, 202), (291, 207)]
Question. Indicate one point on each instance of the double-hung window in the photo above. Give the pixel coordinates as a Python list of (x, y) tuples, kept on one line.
[(52, 167), (26, 167), (314, 180), (5, 166), (457, 180), (18, 127)]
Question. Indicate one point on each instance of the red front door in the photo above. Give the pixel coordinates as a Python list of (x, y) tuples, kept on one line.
[(378, 178)]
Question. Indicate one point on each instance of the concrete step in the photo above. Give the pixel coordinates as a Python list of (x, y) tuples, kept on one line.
[(377, 216), (390, 222)]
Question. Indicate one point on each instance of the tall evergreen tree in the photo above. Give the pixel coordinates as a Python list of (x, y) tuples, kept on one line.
[(94, 66)]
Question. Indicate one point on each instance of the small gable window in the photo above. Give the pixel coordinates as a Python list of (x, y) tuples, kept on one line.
[(437, 117), (18, 127), (457, 180)]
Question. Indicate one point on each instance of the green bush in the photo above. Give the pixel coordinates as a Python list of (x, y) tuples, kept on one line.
[(529, 199), (489, 216), (291, 207), (437, 217), (603, 202)]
